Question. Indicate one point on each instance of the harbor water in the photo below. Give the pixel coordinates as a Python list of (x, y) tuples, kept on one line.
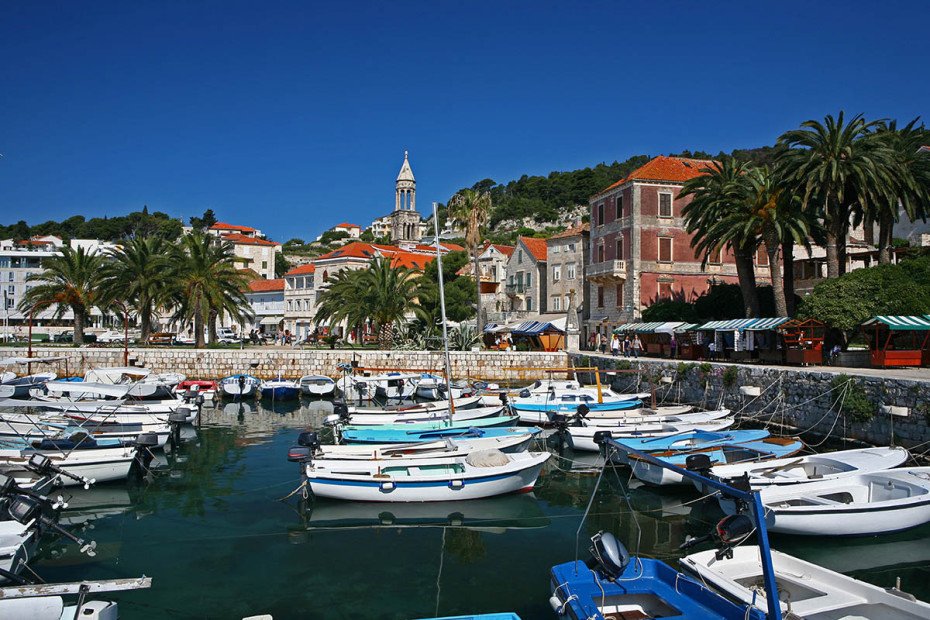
[(211, 523)]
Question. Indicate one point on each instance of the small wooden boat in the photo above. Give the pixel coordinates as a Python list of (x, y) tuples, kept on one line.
[(653, 418), (683, 442), (280, 389), (537, 408), (240, 386), (857, 504), (413, 431), (468, 402), (100, 461), (405, 417), (583, 436), (480, 474), (811, 468), (517, 442), (616, 586), (758, 451), (805, 590), (317, 386), (371, 435)]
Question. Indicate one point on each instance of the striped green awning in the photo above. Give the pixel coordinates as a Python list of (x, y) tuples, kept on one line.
[(686, 327), (712, 325), (764, 324), (900, 323)]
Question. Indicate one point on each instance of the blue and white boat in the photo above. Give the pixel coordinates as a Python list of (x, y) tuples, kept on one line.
[(500, 616), (684, 442), (371, 435), (757, 451), (240, 386), (481, 474), (280, 389), (615, 585), (538, 407)]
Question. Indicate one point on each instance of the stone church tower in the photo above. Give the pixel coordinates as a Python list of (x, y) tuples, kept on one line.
[(405, 221)]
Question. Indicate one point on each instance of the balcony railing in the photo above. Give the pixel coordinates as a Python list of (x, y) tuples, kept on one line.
[(514, 289), (606, 269)]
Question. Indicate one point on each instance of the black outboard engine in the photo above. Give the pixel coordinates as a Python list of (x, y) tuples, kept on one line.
[(729, 532), (609, 557), (298, 454), (582, 412), (43, 465), (524, 393), (309, 439), (503, 398), (26, 509), (699, 464), (342, 410), (10, 489)]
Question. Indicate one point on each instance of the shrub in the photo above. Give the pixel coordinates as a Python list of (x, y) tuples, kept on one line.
[(856, 404), (730, 375)]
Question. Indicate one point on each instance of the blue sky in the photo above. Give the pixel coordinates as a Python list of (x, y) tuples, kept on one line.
[(294, 116)]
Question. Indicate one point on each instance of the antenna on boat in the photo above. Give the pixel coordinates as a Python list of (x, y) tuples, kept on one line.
[(442, 306)]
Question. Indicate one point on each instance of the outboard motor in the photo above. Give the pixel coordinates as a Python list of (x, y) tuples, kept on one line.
[(144, 444), (729, 532), (503, 398), (43, 465), (699, 464), (524, 393), (342, 411), (25, 510), (309, 439), (332, 420), (609, 557), (299, 454), (582, 412), (10, 489)]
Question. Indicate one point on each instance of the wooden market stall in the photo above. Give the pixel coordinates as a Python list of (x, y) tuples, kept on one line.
[(803, 341), (690, 344), (763, 342), (897, 340)]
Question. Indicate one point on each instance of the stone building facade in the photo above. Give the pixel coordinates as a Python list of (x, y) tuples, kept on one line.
[(526, 277), (640, 252), (405, 221), (567, 255)]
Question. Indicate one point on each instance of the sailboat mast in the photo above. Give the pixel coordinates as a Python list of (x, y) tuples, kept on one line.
[(442, 306)]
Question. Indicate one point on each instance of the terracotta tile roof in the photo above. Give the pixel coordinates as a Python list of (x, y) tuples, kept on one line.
[(537, 247), (225, 226), (572, 232), (303, 269), (411, 260), (243, 239), (264, 286), (506, 250), (344, 225), (356, 249), (662, 168)]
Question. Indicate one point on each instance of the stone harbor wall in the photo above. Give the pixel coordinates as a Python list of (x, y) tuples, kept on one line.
[(268, 362), (875, 410)]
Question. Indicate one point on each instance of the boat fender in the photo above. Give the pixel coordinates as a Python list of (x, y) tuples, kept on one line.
[(332, 420), (456, 484), (298, 454), (309, 439), (610, 557), (387, 486), (147, 440)]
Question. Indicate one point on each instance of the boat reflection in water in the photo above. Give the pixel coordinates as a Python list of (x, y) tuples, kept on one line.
[(493, 515)]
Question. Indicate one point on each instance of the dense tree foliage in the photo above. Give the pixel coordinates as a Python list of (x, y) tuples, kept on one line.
[(460, 290), (135, 275), (845, 302), (138, 223)]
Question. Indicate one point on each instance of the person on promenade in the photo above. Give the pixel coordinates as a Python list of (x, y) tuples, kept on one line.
[(637, 346), (627, 346), (615, 345), (673, 346)]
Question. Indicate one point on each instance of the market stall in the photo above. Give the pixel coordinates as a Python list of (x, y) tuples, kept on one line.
[(762, 341), (897, 340), (803, 341), (690, 343), (540, 335)]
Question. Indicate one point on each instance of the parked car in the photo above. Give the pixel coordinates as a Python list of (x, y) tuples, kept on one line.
[(224, 335), (110, 336)]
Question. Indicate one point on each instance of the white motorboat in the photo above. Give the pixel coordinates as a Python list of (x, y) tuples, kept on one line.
[(317, 385), (537, 407), (403, 417), (390, 451), (640, 412), (480, 474), (240, 386), (142, 382), (45, 602), (583, 436), (122, 412), (654, 418), (432, 387), (23, 427), (192, 388), (857, 504), (805, 590), (22, 385), (813, 467), (100, 464), (17, 544)]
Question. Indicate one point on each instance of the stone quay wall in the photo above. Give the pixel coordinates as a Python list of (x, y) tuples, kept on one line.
[(267, 362), (816, 403)]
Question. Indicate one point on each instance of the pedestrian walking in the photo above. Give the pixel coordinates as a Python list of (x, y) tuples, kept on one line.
[(637, 346)]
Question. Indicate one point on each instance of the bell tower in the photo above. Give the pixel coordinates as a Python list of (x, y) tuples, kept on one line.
[(405, 221)]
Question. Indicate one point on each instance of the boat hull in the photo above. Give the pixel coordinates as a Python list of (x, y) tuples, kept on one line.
[(449, 485)]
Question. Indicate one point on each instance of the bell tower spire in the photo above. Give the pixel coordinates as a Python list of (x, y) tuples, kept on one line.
[(405, 221)]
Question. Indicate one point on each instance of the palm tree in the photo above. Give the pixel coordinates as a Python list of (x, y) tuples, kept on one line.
[(136, 274), (910, 191), (71, 280), (205, 280), (765, 210), (382, 293), (716, 195), (471, 207), (841, 168)]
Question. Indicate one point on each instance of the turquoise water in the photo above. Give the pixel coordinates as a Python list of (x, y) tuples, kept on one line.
[(208, 525)]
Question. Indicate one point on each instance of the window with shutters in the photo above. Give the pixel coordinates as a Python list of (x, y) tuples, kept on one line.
[(665, 204), (665, 249)]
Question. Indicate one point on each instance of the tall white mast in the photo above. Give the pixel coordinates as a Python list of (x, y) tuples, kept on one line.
[(442, 306)]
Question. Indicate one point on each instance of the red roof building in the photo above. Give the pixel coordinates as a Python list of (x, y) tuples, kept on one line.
[(266, 286), (640, 251)]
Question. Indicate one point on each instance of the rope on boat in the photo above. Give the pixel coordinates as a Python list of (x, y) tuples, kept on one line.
[(302, 487)]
